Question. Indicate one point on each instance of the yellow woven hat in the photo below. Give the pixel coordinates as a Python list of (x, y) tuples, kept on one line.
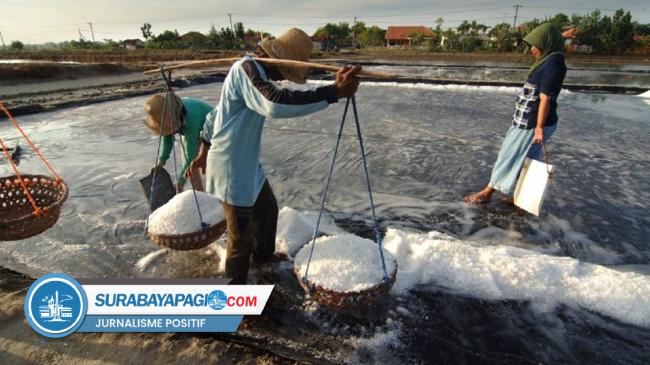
[(173, 109), (295, 45)]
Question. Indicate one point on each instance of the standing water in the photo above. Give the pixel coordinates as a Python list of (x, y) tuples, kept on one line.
[(475, 283)]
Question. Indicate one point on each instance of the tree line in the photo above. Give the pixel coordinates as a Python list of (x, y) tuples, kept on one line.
[(597, 33), (224, 38)]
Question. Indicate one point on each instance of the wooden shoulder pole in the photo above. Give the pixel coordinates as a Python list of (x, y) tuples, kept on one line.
[(274, 61)]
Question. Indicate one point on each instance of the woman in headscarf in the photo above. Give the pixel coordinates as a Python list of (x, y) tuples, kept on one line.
[(535, 117)]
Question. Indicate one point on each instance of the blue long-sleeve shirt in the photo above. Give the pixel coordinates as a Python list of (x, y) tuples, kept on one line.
[(234, 129)]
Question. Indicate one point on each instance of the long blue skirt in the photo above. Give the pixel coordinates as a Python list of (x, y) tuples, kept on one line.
[(516, 146)]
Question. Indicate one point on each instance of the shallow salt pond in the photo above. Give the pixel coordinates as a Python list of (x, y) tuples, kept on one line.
[(496, 283)]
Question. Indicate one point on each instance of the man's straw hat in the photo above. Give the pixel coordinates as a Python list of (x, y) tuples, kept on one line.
[(173, 110), (295, 45)]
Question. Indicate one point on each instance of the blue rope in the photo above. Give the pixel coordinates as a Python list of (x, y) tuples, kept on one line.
[(153, 179), (372, 203), (327, 185), (168, 94), (204, 225), (174, 153)]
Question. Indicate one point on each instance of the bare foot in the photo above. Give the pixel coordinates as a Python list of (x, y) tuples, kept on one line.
[(478, 198)]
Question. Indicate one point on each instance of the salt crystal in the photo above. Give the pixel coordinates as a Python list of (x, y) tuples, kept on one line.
[(499, 272), (344, 263), (144, 263), (297, 228), (180, 215)]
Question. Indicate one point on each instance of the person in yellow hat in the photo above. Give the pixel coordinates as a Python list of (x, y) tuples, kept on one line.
[(230, 149), (183, 116)]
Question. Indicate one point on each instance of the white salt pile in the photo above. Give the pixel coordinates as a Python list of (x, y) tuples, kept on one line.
[(344, 263), (505, 272), (180, 215), (295, 229), (645, 96), (495, 272)]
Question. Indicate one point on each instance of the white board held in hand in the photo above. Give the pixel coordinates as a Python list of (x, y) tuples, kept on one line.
[(532, 185)]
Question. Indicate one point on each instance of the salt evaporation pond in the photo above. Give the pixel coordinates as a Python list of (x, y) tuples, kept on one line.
[(620, 75), (476, 284)]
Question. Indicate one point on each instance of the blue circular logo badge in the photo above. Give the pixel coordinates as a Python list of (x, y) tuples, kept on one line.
[(55, 305), (217, 300)]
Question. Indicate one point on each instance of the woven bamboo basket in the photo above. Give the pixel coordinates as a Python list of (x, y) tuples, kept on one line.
[(190, 241), (346, 300), (17, 217)]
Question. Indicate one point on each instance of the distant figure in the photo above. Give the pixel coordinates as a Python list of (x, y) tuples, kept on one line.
[(535, 116), (231, 146), (186, 118)]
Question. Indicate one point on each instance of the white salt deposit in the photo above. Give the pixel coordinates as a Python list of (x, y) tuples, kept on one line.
[(180, 215), (295, 229), (144, 263), (426, 86), (124, 177), (220, 248), (444, 87), (645, 96), (504, 272), (495, 272), (344, 263)]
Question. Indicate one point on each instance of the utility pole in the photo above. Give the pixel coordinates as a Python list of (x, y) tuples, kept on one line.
[(232, 29), (91, 31), (354, 34), (514, 23), (81, 36), (3, 41)]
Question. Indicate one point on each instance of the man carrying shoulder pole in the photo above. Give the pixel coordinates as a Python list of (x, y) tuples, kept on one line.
[(231, 142)]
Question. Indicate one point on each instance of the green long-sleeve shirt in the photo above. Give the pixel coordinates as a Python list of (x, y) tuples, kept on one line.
[(194, 118)]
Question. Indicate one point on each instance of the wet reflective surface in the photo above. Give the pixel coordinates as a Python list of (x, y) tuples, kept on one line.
[(620, 76), (427, 148)]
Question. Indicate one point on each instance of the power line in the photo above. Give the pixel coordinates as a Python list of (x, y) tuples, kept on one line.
[(639, 10), (439, 13), (364, 16)]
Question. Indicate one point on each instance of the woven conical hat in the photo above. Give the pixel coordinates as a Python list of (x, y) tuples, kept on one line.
[(173, 109), (294, 44)]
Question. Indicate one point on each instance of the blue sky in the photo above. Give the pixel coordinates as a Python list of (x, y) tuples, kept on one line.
[(38, 21)]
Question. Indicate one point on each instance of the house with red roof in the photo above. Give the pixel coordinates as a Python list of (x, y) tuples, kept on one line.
[(321, 43), (403, 36), (641, 44)]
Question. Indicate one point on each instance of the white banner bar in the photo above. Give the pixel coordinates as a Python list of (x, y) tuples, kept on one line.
[(177, 299)]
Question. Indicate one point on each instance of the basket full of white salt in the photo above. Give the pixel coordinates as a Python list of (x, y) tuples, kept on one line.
[(345, 271), (178, 225)]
